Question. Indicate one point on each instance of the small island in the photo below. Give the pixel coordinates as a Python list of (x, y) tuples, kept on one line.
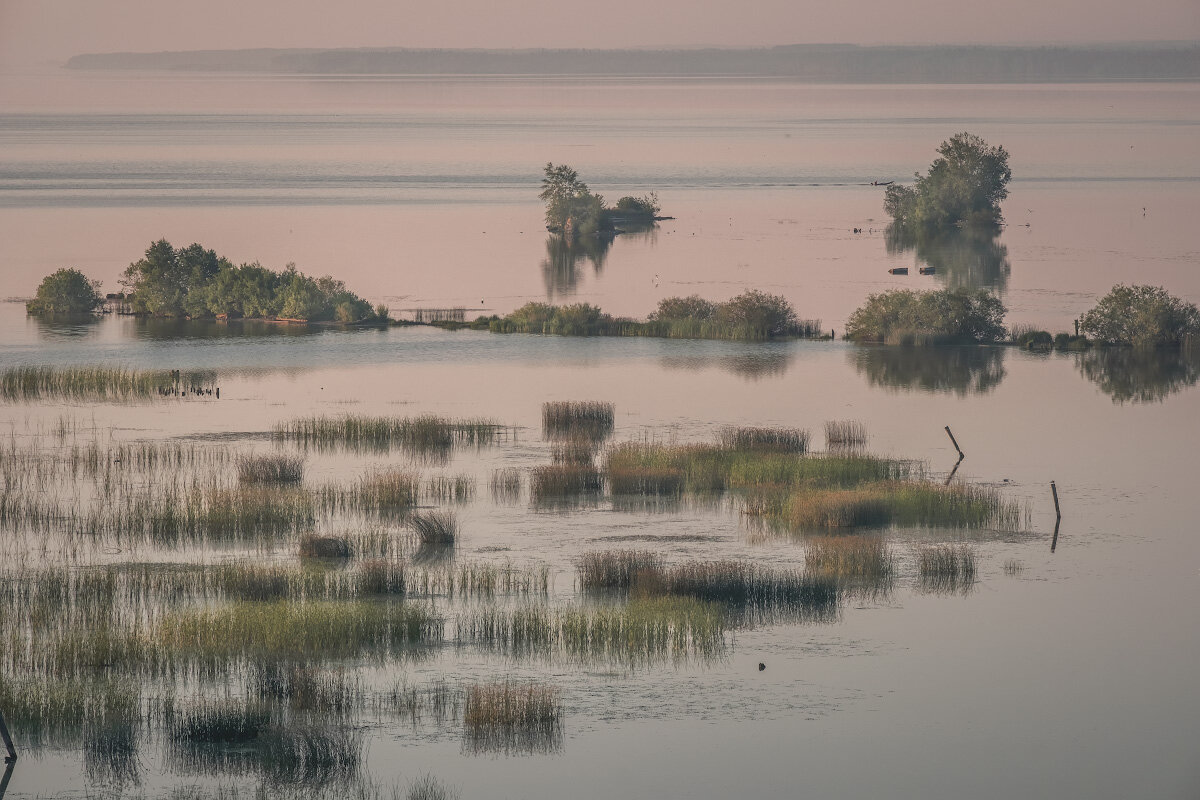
[(575, 211)]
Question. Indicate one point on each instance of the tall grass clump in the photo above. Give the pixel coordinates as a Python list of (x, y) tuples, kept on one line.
[(773, 440), (615, 569), (270, 469), (387, 492), (509, 716), (303, 687), (450, 489), (419, 435), (753, 593), (845, 433), (435, 527), (45, 711), (905, 503), (428, 787), (313, 546), (548, 484), (505, 485), (586, 419), (946, 568)]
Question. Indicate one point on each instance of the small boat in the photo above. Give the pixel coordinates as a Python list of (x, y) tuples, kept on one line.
[(898, 271), (928, 270), (882, 183)]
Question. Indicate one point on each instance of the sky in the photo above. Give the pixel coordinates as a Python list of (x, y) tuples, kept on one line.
[(37, 32)]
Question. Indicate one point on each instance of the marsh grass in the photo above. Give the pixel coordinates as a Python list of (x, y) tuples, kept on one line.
[(645, 631), (902, 503), (99, 384), (1013, 567), (575, 451), (773, 440), (111, 753), (277, 468), (428, 787), (505, 486), (586, 419), (55, 712), (437, 701), (751, 593), (386, 493), (313, 546), (845, 434), (304, 687), (419, 435), (946, 568), (548, 484), (435, 527), (475, 580), (450, 489), (615, 569), (509, 716)]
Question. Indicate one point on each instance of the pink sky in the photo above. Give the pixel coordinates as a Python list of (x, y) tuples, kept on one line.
[(43, 31)]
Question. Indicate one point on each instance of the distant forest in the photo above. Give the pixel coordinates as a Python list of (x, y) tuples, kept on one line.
[(812, 63)]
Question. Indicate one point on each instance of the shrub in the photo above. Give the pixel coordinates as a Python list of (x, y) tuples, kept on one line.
[(964, 186), (67, 291), (691, 307), (1143, 316), (765, 315), (902, 316)]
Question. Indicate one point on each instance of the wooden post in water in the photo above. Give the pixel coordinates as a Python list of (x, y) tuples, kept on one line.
[(1054, 541), (8, 742), (955, 442), (1054, 491), (8, 771)]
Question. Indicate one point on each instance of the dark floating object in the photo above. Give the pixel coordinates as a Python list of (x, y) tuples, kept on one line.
[(882, 183), (761, 666), (898, 271), (928, 270)]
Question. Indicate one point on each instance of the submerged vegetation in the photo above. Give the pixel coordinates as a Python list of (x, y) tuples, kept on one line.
[(511, 717), (422, 435), (100, 384)]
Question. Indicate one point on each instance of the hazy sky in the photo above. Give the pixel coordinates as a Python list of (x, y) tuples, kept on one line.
[(40, 31)]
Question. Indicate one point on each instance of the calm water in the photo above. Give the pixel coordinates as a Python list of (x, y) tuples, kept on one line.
[(1074, 678)]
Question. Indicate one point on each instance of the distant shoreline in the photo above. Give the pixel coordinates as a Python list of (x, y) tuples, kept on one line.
[(1166, 62)]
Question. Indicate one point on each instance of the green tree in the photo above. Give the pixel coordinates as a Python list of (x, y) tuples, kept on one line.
[(902, 316), (67, 291), (965, 186), (1143, 316)]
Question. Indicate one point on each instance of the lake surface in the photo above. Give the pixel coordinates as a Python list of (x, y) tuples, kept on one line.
[(1072, 676)]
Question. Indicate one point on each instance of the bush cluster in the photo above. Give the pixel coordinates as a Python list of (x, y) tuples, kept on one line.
[(1142, 316), (964, 186), (947, 316)]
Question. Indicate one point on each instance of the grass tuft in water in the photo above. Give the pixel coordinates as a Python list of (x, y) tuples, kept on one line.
[(505, 486), (771, 440), (615, 569), (585, 419), (435, 527), (270, 469), (946, 568), (313, 546), (510, 716), (420, 435), (845, 433)]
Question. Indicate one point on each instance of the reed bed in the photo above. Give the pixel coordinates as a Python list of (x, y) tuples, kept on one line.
[(420, 435), (1013, 567), (548, 484), (428, 787), (771, 440), (52, 712), (946, 568), (505, 486), (99, 384), (573, 451), (845, 433), (277, 468), (643, 632), (435, 527), (468, 580), (235, 738), (859, 558), (509, 716), (313, 546), (450, 489), (302, 687), (615, 569), (437, 701), (904, 503), (388, 493), (586, 419)]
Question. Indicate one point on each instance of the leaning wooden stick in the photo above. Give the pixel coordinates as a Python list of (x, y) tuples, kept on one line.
[(955, 442), (1054, 491)]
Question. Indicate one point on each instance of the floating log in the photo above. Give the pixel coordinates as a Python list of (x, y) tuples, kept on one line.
[(928, 270), (898, 271)]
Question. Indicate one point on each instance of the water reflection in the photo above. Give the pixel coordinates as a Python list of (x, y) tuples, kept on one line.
[(765, 362), (567, 259), (1130, 375), (958, 370), (65, 326), (162, 329), (966, 258)]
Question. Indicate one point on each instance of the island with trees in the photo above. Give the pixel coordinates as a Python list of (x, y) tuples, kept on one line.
[(195, 283), (575, 211)]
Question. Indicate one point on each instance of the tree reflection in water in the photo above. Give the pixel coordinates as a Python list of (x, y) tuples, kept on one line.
[(567, 258), (968, 258), (1134, 375), (958, 370)]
